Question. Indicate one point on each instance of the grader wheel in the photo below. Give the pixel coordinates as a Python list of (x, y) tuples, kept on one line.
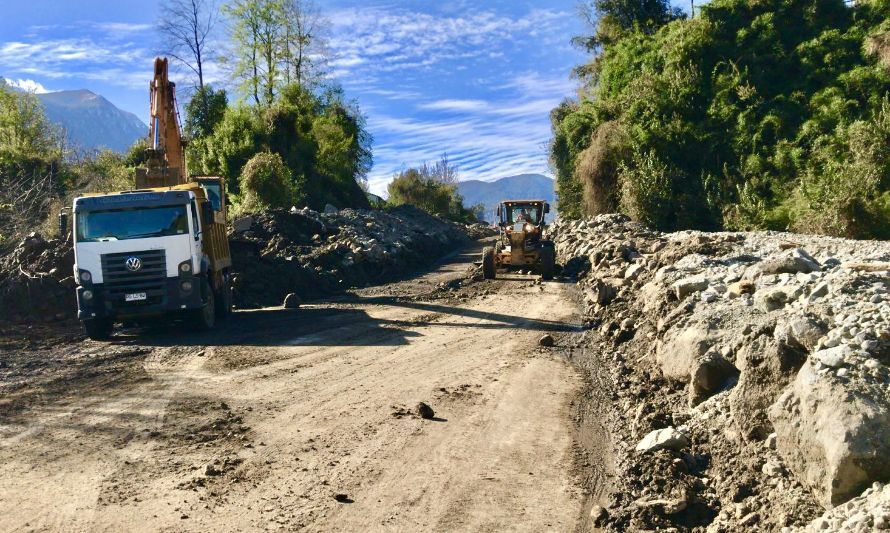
[(488, 265)]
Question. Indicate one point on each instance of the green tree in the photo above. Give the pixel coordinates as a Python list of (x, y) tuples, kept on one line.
[(432, 188), (204, 111), (277, 43), (247, 20), (303, 42)]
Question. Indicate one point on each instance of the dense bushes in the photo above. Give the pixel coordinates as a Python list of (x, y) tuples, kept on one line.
[(768, 114), (320, 140), (265, 182), (432, 188)]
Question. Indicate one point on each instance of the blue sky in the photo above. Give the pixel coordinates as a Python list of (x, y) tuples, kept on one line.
[(475, 79)]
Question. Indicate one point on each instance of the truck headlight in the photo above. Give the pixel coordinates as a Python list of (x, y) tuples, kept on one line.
[(185, 267), (88, 295), (186, 286), (85, 276)]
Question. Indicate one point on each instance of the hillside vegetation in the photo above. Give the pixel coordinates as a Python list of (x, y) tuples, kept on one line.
[(772, 114)]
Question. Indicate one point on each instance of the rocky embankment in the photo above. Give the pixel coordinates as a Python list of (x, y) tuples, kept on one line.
[(312, 254), (275, 253), (749, 375)]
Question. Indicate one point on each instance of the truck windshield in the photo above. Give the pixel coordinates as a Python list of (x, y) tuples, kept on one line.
[(133, 223)]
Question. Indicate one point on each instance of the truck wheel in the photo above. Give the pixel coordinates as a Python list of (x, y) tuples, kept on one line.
[(224, 299), (548, 263), (98, 329), (488, 266), (205, 317)]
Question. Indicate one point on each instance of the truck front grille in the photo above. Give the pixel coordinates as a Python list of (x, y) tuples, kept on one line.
[(150, 278)]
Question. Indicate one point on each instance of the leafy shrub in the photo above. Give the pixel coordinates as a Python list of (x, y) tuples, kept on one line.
[(266, 182), (646, 190)]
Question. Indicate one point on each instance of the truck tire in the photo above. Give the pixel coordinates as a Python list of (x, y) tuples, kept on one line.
[(205, 317), (548, 263), (224, 299), (488, 267), (98, 329)]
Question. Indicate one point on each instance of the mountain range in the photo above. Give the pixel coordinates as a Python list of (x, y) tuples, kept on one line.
[(521, 187), (92, 122), (89, 120)]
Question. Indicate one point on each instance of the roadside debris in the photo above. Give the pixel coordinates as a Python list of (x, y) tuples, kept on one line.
[(425, 411), (768, 352)]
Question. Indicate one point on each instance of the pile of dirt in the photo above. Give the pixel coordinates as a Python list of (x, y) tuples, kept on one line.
[(750, 385), (313, 254), (37, 280)]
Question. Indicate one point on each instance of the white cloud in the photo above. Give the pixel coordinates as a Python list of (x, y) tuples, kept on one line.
[(454, 105), (30, 86), (76, 58), (399, 39), (123, 28)]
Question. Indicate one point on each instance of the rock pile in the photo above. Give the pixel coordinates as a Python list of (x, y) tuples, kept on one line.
[(37, 279), (769, 351), (312, 254)]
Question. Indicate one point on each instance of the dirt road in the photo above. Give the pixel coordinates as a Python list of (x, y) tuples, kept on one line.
[(303, 419)]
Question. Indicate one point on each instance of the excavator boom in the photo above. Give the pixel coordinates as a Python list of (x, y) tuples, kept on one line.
[(166, 162)]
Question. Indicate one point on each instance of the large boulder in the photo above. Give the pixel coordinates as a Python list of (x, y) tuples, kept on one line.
[(686, 355), (767, 366), (791, 262), (663, 439), (834, 433), (801, 330), (686, 286)]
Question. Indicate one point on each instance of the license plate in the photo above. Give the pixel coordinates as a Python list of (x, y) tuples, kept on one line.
[(135, 297)]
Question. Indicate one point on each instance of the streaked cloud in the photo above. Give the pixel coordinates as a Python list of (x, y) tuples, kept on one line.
[(83, 58), (455, 105)]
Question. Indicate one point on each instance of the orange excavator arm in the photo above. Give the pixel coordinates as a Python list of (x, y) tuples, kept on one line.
[(166, 162)]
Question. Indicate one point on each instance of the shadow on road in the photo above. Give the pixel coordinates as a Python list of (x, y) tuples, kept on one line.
[(333, 326)]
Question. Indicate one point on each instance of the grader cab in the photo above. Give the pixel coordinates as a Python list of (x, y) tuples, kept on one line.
[(520, 244)]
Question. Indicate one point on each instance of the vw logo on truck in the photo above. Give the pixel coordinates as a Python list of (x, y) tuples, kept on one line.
[(133, 263)]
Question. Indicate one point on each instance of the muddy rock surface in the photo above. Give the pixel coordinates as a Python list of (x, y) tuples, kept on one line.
[(37, 280), (767, 353), (314, 254)]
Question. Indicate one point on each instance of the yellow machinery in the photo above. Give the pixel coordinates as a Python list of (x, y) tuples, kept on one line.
[(520, 242)]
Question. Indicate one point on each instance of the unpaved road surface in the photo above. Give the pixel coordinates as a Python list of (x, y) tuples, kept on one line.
[(303, 419)]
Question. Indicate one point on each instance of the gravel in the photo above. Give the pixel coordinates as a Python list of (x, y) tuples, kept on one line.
[(768, 351)]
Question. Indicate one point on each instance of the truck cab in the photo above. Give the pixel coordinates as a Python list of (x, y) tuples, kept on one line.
[(151, 252)]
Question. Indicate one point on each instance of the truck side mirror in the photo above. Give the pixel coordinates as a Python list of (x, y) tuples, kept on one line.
[(63, 224), (546, 207), (499, 211)]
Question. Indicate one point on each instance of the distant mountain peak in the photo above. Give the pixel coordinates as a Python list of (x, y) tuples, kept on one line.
[(520, 186), (91, 121)]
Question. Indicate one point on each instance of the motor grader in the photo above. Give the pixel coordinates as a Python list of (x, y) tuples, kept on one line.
[(520, 242)]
